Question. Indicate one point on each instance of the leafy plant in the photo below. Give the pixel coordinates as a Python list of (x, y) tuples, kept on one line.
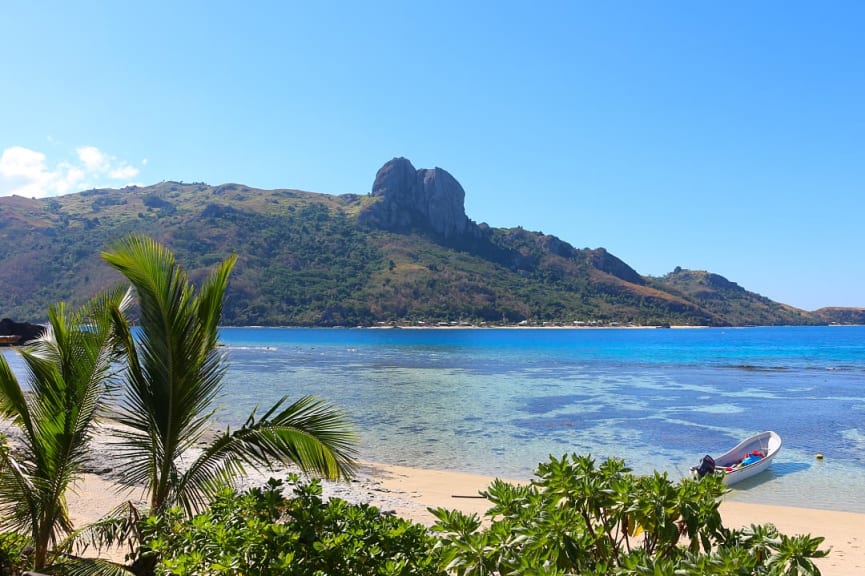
[(580, 518), (70, 373), (262, 532), (173, 375), (13, 559)]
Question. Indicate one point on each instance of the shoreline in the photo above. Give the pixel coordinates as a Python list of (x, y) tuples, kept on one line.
[(544, 326), (844, 532), (408, 492)]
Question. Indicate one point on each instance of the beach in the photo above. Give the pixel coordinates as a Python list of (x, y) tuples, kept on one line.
[(410, 491)]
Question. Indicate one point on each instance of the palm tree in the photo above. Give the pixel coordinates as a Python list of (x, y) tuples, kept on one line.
[(69, 374), (174, 375)]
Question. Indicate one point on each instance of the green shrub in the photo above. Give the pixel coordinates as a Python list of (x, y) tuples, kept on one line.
[(264, 533), (575, 517), (12, 553), (579, 518)]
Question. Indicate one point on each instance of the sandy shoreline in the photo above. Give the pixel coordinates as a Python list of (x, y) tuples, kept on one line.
[(410, 491)]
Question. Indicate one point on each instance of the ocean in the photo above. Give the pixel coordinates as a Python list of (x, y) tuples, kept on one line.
[(499, 401)]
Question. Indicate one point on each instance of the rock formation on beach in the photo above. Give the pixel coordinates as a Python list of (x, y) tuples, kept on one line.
[(24, 330)]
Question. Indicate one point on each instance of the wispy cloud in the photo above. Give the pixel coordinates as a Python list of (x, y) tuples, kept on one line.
[(26, 172)]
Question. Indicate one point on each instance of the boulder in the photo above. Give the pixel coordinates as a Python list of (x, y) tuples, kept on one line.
[(427, 199), (25, 330)]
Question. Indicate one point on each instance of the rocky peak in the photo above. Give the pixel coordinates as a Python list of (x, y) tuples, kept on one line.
[(429, 199), (606, 262)]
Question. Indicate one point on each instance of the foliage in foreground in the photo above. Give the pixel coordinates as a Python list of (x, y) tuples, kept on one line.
[(13, 560), (55, 409), (263, 532), (579, 518), (172, 372), (574, 518), (174, 376)]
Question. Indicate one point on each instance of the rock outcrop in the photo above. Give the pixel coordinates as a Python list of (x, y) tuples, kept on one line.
[(426, 199), (606, 262), (24, 330)]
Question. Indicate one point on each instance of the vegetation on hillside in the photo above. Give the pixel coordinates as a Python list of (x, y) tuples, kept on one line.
[(304, 260), (730, 301)]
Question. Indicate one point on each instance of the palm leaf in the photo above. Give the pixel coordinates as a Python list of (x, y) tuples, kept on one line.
[(120, 526), (308, 433), (18, 495), (174, 374), (175, 369), (68, 369), (93, 567)]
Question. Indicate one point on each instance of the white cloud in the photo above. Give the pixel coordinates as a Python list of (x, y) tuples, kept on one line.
[(124, 172), (94, 159), (26, 172), (18, 161)]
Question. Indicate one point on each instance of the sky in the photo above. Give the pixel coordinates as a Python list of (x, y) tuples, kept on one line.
[(719, 136)]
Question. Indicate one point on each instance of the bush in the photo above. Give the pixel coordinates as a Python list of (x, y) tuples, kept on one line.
[(262, 532), (12, 553), (576, 518), (573, 518)]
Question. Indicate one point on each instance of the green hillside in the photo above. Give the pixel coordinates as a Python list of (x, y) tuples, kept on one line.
[(320, 260)]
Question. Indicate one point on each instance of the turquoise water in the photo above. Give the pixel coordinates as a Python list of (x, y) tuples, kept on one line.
[(497, 402)]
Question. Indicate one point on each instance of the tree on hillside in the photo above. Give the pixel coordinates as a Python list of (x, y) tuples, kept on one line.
[(174, 374), (69, 374)]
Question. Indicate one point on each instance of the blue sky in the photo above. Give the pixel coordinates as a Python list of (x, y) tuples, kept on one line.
[(720, 136)]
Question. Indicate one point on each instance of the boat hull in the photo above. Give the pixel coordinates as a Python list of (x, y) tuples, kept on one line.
[(729, 463)]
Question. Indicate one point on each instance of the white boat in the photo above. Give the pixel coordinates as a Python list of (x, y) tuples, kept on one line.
[(750, 456)]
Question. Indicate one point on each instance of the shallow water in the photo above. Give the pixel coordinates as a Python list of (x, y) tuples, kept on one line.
[(497, 402)]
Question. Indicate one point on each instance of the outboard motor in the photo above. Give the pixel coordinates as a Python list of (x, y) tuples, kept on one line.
[(707, 466)]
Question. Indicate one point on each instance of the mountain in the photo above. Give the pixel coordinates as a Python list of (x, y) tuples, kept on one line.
[(405, 253), (837, 315), (729, 301)]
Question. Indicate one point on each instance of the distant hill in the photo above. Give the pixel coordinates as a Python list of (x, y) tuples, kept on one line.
[(406, 253), (838, 315)]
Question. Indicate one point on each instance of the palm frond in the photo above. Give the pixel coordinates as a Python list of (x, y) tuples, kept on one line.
[(121, 526), (13, 403), (309, 433), (68, 368), (175, 372), (211, 301), (18, 501), (93, 567), (317, 437)]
